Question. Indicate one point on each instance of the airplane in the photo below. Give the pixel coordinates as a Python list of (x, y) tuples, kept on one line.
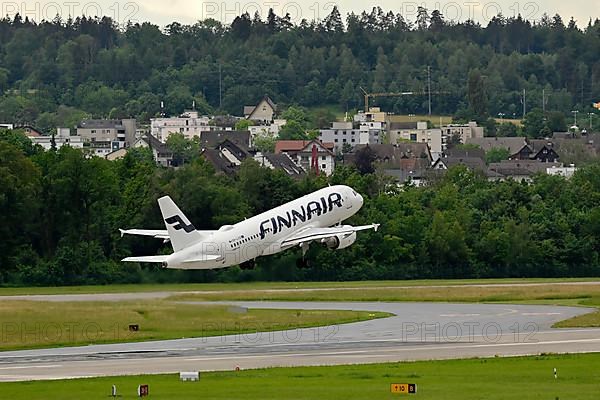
[(316, 217)]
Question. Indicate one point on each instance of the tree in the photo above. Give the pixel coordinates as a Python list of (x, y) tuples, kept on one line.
[(4, 74), (364, 159), (496, 155), (296, 114), (243, 124), (533, 123), (184, 150), (476, 94), (19, 185), (292, 130), (264, 143), (506, 129), (556, 121)]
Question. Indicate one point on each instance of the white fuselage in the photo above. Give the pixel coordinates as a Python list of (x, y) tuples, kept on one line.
[(263, 234)]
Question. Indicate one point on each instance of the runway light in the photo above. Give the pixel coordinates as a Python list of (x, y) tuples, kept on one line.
[(555, 374), (113, 391)]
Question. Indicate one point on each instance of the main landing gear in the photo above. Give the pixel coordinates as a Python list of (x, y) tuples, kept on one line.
[(248, 265), (302, 263)]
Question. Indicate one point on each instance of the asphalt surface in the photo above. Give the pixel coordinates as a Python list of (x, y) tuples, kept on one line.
[(418, 331)]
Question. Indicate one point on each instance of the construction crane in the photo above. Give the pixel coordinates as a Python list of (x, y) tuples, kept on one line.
[(398, 94), (382, 94)]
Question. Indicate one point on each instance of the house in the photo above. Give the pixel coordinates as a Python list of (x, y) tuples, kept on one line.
[(419, 133), (220, 162), (61, 138), (103, 136), (472, 163), (30, 131), (465, 152), (543, 150), (189, 124), (161, 153), (224, 122), (412, 171), (518, 170), (392, 155), (463, 132), (211, 139), (518, 148), (263, 113), (301, 151), (281, 162), (117, 154)]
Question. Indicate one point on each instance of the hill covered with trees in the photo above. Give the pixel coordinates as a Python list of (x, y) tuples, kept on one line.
[(56, 72), (61, 212)]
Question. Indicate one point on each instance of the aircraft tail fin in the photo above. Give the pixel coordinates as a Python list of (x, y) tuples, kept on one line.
[(181, 231)]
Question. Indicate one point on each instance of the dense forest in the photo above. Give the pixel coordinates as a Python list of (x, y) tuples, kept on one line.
[(54, 73), (61, 212)]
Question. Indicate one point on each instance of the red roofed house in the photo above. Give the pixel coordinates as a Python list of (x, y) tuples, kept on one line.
[(301, 151)]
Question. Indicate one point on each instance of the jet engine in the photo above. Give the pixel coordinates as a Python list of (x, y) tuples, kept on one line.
[(339, 241)]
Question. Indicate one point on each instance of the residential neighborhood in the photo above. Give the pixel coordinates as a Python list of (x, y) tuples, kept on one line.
[(412, 152)]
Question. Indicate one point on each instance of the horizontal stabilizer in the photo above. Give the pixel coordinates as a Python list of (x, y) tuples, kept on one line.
[(147, 259), (156, 233), (204, 258)]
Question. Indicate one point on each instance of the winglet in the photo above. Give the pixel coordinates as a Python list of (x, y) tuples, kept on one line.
[(376, 227), (122, 231)]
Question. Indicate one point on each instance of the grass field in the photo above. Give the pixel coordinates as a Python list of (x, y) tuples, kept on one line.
[(497, 378), (434, 119), (553, 294), (11, 291), (29, 324)]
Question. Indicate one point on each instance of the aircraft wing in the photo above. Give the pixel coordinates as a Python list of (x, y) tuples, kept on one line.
[(155, 233), (310, 234)]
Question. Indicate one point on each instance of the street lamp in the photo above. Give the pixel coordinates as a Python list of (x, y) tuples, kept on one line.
[(575, 112), (501, 115), (591, 115)]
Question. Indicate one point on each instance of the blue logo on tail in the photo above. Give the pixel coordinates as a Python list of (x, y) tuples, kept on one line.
[(179, 224)]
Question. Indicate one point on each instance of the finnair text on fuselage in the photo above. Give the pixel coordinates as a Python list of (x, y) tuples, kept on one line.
[(303, 213)]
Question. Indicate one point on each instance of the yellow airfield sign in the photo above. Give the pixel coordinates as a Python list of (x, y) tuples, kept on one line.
[(403, 388)]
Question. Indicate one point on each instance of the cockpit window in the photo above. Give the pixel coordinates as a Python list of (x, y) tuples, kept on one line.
[(354, 193)]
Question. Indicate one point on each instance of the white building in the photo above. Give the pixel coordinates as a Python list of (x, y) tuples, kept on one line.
[(189, 124), (352, 133), (567, 172), (418, 133), (103, 136), (271, 129), (464, 132), (62, 138)]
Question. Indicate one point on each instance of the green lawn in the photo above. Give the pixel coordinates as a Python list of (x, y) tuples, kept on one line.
[(496, 378), (8, 291), (384, 292), (31, 324)]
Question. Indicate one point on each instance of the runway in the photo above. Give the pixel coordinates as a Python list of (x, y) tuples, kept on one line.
[(417, 331)]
